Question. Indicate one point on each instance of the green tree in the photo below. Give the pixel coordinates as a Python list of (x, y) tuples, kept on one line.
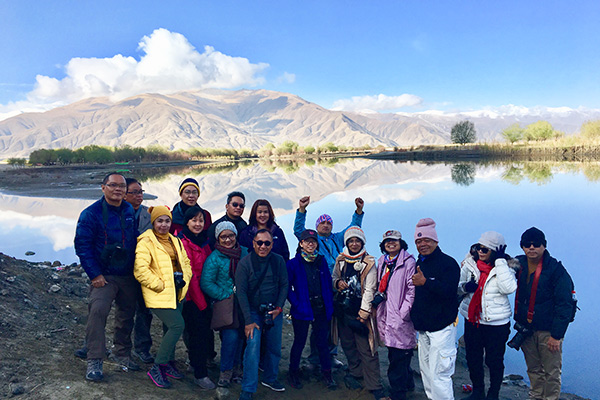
[(309, 149), (463, 132), (42, 156), (463, 174), (65, 156), (19, 162), (591, 129), (513, 133), (540, 130)]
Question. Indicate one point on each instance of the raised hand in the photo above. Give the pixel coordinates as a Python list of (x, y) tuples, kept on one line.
[(501, 251), (303, 203), (359, 205)]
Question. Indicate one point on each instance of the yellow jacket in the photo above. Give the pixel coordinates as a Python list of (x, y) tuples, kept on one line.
[(154, 270)]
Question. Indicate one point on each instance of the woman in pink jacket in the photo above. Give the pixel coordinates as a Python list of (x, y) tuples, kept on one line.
[(394, 300), (196, 312)]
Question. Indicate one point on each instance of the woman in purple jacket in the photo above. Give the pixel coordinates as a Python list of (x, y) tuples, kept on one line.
[(310, 293), (394, 300)]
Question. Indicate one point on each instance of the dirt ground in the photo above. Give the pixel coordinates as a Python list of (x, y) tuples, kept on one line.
[(42, 320)]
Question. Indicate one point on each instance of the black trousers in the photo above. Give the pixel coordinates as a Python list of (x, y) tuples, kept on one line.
[(399, 372), (491, 341), (141, 329), (197, 334)]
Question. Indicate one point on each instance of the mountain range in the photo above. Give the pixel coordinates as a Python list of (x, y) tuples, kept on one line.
[(245, 119)]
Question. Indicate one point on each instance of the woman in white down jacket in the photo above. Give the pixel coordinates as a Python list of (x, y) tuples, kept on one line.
[(486, 281)]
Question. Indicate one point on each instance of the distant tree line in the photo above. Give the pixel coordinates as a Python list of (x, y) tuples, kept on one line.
[(94, 154)]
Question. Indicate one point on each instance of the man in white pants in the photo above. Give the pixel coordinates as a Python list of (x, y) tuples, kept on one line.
[(434, 312)]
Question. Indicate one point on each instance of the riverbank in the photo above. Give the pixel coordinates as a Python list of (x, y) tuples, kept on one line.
[(42, 321)]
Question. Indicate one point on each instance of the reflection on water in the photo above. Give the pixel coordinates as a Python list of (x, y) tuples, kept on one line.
[(464, 199)]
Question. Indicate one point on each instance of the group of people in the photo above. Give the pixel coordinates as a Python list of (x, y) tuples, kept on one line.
[(228, 276)]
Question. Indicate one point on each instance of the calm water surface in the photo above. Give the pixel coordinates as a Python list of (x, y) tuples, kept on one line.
[(464, 200)]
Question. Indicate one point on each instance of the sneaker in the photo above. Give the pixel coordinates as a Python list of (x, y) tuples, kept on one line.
[(225, 378), (379, 394), (245, 396), (352, 383), (335, 363), (158, 376), (205, 383), (171, 370), (238, 374), (144, 356), (126, 364), (329, 381), (94, 370), (275, 386), (293, 379)]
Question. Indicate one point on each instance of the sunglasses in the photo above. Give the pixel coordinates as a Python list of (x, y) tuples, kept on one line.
[(236, 205), (529, 244), (482, 249), (261, 243)]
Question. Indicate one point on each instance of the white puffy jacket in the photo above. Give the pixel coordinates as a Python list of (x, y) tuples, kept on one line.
[(495, 305)]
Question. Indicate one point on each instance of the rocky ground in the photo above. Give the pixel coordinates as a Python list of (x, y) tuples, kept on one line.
[(42, 319)]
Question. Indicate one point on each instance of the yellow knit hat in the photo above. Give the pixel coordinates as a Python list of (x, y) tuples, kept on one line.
[(157, 211)]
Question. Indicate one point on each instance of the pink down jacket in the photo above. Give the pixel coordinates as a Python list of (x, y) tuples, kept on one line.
[(393, 315)]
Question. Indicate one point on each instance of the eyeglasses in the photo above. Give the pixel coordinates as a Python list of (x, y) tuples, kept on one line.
[(236, 205), (529, 244), (135, 192), (227, 237), (261, 243), (190, 192), (116, 185), (482, 249)]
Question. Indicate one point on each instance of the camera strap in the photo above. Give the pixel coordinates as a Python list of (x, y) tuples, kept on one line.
[(105, 220), (534, 285)]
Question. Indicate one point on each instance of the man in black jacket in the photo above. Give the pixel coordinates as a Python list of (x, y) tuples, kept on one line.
[(236, 203), (434, 312), (545, 314), (262, 286)]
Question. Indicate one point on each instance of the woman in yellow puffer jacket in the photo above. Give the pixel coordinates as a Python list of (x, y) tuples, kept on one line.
[(163, 269)]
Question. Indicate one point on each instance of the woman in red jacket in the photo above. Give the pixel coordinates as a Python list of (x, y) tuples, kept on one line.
[(196, 312)]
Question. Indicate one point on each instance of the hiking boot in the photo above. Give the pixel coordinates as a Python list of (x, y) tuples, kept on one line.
[(245, 396), (275, 386), (144, 357), (352, 383), (293, 379), (158, 376), (94, 370), (126, 364), (171, 370), (225, 378), (81, 353), (205, 383), (329, 381)]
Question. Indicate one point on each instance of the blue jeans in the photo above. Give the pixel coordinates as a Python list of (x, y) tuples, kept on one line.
[(231, 348), (271, 356)]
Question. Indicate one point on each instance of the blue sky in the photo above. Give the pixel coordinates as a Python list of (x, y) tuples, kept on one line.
[(385, 56)]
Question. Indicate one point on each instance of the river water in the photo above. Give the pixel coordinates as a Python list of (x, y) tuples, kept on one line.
[(464, 199)]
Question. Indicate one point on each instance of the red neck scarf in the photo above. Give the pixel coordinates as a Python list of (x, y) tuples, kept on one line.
[(475, 304)]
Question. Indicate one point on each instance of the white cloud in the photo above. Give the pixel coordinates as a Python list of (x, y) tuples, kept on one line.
[(376, 103), (59, 231), (169, 64), (381, 195), (287, 77)]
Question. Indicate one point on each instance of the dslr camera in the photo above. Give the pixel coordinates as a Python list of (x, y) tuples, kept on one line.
[(523, 333), (264, 309), (113, 255), (378, 299)]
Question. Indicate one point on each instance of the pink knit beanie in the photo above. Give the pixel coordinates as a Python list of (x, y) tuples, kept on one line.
[(426, 229)]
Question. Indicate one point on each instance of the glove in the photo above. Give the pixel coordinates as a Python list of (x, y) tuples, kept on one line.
[(501, 251), (471, 286), (179, 282)]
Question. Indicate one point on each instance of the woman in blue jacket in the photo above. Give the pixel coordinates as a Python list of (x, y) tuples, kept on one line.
[(311, 295)]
